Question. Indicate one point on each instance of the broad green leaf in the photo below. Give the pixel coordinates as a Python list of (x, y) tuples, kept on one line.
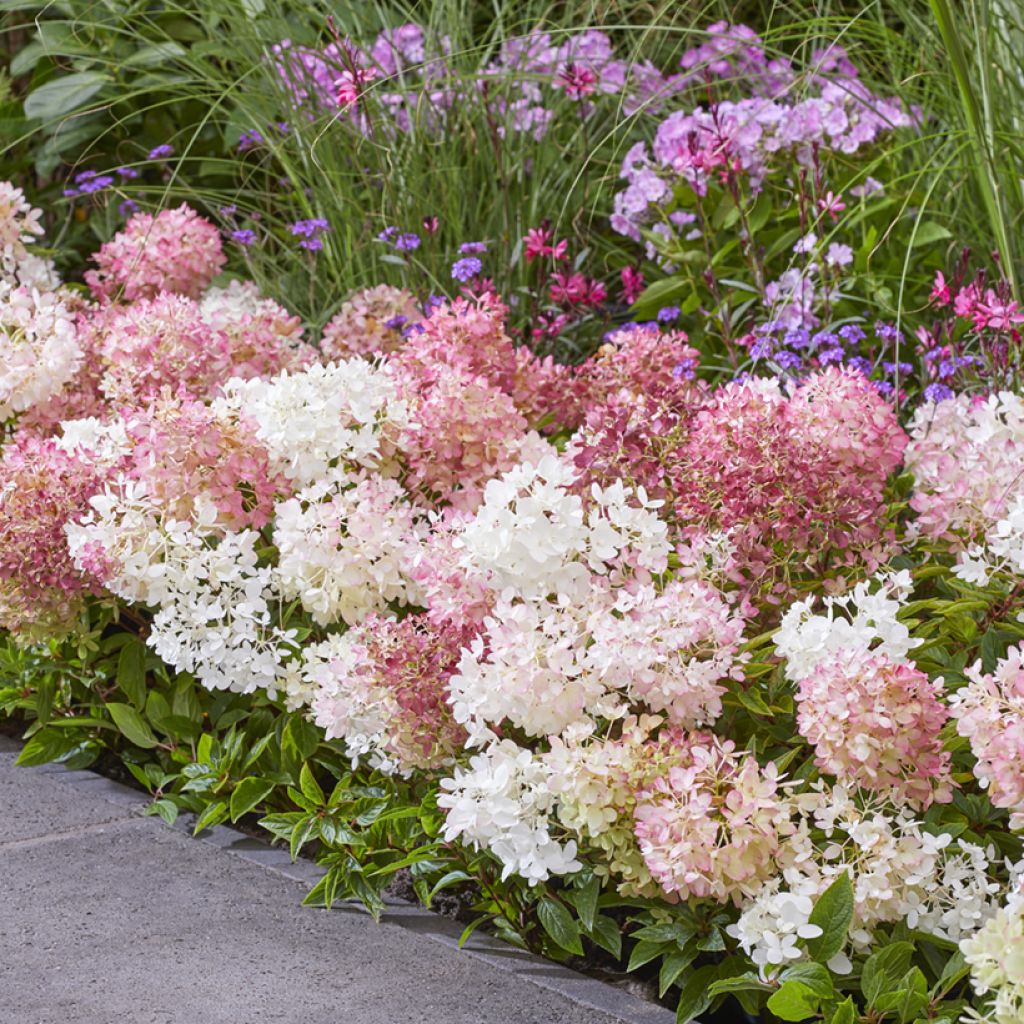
[(815, 976), (794, 1001), (310, 787), (832, 913), (155, 54), (132, 725), (247, 794), (884, 968), (585, 899), (446, 882), (63, 95), (644, 953), (695, 996), (556, 920), (212, 815), (46, 745), (167, 809), (673, 966), (131, 672), (928, 232), (845, 1013), (746, 982), (305, 830), (607, 934)]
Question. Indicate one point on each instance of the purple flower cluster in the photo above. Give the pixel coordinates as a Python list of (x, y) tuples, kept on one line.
[(834, 111), (798, 352), (90, 182), (403, 241), (466, 268), (417, 84), (310, 231)]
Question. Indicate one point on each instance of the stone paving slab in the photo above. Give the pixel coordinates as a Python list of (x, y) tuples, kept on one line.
[(106, 916)]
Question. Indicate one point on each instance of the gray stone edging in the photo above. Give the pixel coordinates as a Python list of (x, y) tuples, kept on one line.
[(573, 986)]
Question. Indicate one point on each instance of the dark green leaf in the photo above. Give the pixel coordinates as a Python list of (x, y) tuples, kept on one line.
[(607, 934), (556, 920), (310, 787), (832, 913), (46, 745), (644, 953), (213, 814), (132, 725), (131, 672), (695, 996)]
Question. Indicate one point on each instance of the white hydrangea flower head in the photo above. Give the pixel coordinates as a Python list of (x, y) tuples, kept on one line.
[(218, 619), (996, 957), (502, 802), (19, 227), (340, 414), (105, 441), (39, 350), (345, 546), (534, 535), (867, 622)]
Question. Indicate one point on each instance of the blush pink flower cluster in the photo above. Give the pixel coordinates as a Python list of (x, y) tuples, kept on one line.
[(42, 487), (989, 713), (876, 724), (383, 689), (176, 251), (712, 825)]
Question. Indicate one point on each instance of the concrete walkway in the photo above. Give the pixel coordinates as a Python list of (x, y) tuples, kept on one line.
[(107, 917)]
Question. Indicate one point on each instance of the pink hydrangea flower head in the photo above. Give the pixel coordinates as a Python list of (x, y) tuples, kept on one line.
[(467, 333), (42, 487), (989, 712), (711, 826), (183, 451), (639, 361), (158, 343), (175, 251), (263, 337), (386, 692), (875, 723), (370, 323), (464, 431)]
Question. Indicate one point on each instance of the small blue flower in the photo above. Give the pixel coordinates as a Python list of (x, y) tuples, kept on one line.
[(668, 314), (161, 152), (244, 236), (407, 242), (473, 248)]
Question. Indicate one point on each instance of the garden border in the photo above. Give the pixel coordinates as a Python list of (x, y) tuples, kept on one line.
[(589, 992)]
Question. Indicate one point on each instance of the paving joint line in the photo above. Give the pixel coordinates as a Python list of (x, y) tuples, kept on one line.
[(64, 834)]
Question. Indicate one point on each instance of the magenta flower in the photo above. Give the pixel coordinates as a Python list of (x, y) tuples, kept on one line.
[(538, 243), (577, 81), (632, 284)]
